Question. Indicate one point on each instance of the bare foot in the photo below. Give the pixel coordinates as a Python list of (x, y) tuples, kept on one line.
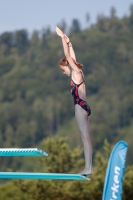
[(86, 172)]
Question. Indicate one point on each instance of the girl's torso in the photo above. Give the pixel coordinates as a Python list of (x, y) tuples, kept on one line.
[(77, 80)]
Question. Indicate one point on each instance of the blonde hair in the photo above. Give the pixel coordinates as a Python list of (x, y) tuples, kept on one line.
[(64, 62)]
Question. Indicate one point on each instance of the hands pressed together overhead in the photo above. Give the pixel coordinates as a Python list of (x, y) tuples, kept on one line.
[(61, 34)]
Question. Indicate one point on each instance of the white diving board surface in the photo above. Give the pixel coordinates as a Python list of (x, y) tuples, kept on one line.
[(22, 152), (48, 176)]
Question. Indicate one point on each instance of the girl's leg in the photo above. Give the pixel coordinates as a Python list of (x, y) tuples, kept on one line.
[(83, 125)]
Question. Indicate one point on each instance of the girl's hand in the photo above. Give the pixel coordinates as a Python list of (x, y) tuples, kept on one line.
[(59, 32)]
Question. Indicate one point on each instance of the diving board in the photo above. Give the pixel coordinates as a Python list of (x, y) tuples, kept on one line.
[(22, 152), (48, 176)]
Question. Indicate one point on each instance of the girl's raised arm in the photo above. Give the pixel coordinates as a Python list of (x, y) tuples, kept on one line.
[(67, 50), (72, 53), (67, 54)]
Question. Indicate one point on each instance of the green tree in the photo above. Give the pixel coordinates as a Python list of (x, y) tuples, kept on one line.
[(7, 39), (10, 191), (75, 27), (21, 40)]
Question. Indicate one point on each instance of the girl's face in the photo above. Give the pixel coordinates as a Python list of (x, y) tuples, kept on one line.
[(65, 69)]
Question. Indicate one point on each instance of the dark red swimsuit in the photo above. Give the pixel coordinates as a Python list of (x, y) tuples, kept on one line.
[(76, 98)]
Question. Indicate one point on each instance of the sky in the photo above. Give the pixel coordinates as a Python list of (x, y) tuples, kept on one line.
[(38, 14)]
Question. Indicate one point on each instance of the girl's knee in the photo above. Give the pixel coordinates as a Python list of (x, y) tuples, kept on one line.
[(85, 136)]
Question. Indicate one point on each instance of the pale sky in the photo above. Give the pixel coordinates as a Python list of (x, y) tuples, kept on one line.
[(38, 14)]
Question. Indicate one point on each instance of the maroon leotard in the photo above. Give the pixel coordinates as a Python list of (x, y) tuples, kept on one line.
[(77, 99)]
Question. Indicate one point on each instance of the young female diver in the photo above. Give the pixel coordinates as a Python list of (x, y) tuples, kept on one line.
[(72, 68)]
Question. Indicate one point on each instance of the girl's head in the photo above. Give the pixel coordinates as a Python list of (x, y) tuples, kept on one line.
[(64, 66), (64, 62)]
